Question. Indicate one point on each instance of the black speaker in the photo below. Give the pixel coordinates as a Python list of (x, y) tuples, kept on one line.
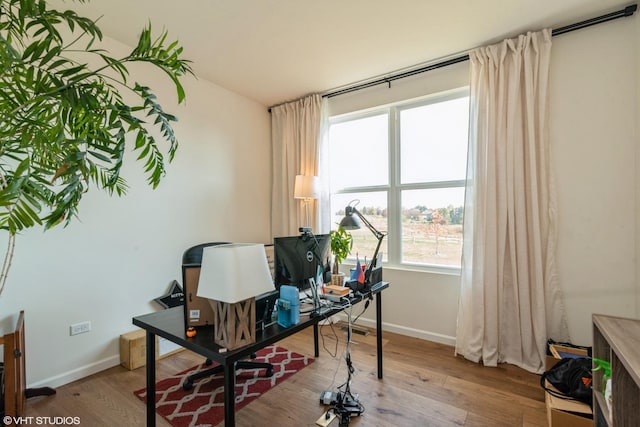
[(376, 275)]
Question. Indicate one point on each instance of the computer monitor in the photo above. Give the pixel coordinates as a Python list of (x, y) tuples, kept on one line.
[(296, 258)]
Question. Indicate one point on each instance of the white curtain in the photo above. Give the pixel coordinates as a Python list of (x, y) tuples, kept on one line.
[(509, 299), (297, 129)]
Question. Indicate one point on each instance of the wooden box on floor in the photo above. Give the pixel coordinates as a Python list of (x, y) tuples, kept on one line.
[(565, 413), (133, 348)]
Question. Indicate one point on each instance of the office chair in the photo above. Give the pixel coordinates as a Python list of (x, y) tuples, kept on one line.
[(192, 257)]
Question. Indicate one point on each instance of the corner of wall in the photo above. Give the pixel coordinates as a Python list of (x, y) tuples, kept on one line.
[(637, 163)]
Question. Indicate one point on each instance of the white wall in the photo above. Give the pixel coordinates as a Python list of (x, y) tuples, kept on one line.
[(594, 132), (123, 253), (637, 143), (109, 266)]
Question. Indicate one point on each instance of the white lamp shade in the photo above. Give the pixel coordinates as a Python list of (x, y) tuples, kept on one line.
[(306, 187), (235, 272)]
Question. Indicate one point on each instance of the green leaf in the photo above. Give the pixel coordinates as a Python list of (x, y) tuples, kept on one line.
[(100, 156), (65, 124), (53, 52), (22, 167)]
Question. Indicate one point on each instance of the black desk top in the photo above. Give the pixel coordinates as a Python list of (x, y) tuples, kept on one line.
[(169, 324)]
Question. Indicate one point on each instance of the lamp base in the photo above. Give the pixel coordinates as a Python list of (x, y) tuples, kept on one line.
[(234, 323), (337, 279)]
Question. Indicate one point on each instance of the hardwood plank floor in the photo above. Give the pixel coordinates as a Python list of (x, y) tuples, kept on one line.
[(424, 385)]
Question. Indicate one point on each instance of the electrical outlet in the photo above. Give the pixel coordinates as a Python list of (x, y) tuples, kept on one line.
[(80, 328)]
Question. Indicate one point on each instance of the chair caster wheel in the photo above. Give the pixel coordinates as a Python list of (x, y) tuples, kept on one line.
[(208, 362), (187, 385), (269, 372)]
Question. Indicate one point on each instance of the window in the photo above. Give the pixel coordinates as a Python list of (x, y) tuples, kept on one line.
[(406, 164)]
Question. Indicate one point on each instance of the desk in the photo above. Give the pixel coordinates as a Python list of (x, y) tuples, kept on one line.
[(169, 324)]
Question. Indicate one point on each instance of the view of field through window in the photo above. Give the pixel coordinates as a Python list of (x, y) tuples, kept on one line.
[(432, 226), (431, 236), (373, 205), (416, 195)]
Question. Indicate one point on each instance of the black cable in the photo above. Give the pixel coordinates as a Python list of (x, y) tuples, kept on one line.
[(347, 405), (337, 339), (366, 305)]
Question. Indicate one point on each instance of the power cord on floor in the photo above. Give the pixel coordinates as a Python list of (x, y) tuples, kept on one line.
[(346, 405)]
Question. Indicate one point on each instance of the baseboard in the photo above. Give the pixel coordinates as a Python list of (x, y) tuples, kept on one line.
[(411, 332), (78, 373), (110, 362)]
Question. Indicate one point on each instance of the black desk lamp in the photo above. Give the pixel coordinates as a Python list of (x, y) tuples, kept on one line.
[(350, 222)]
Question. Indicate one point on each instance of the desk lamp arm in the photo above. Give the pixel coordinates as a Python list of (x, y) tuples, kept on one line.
[(350, 210)]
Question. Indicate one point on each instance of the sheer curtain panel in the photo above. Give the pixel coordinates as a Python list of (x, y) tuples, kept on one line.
[(509, 297), (296, 133)]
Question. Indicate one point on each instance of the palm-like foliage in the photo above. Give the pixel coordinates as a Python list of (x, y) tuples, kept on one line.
[(341, 244), (64, 123)]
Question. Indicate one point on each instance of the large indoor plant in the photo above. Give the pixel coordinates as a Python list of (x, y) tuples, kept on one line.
[(64, 121), (341, 244)]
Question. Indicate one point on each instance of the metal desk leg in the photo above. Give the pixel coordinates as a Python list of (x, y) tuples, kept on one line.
[(230, 394), (151, 379), (379, 332), (316, 348)]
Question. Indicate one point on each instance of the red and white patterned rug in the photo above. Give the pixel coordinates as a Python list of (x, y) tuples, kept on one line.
[(203, 405)]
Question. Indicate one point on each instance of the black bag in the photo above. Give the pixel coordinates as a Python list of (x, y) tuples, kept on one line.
[(572, 377)]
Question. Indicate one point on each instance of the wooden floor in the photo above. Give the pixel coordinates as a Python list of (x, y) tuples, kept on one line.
[(424, 385)]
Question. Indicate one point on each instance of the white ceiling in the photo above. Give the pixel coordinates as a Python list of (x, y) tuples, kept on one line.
[(277, 50)]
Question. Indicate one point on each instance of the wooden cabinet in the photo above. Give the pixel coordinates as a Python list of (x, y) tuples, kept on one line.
[(14, 375), (617, 340)]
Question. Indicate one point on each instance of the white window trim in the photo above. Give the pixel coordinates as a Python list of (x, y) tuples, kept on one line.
[(394, 188)]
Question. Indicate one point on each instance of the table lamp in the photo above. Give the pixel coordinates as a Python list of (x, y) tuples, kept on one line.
[(231, 277), (307, 188), (350, 222)]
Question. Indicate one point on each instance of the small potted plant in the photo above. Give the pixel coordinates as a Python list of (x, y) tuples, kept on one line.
[(341, 244)]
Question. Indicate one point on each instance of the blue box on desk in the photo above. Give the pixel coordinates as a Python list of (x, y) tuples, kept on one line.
[(288, 306)]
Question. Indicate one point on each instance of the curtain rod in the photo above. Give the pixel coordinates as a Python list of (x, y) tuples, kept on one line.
[(627, 11)]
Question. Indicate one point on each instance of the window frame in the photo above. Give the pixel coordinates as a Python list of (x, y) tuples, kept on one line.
[(394, 187)]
